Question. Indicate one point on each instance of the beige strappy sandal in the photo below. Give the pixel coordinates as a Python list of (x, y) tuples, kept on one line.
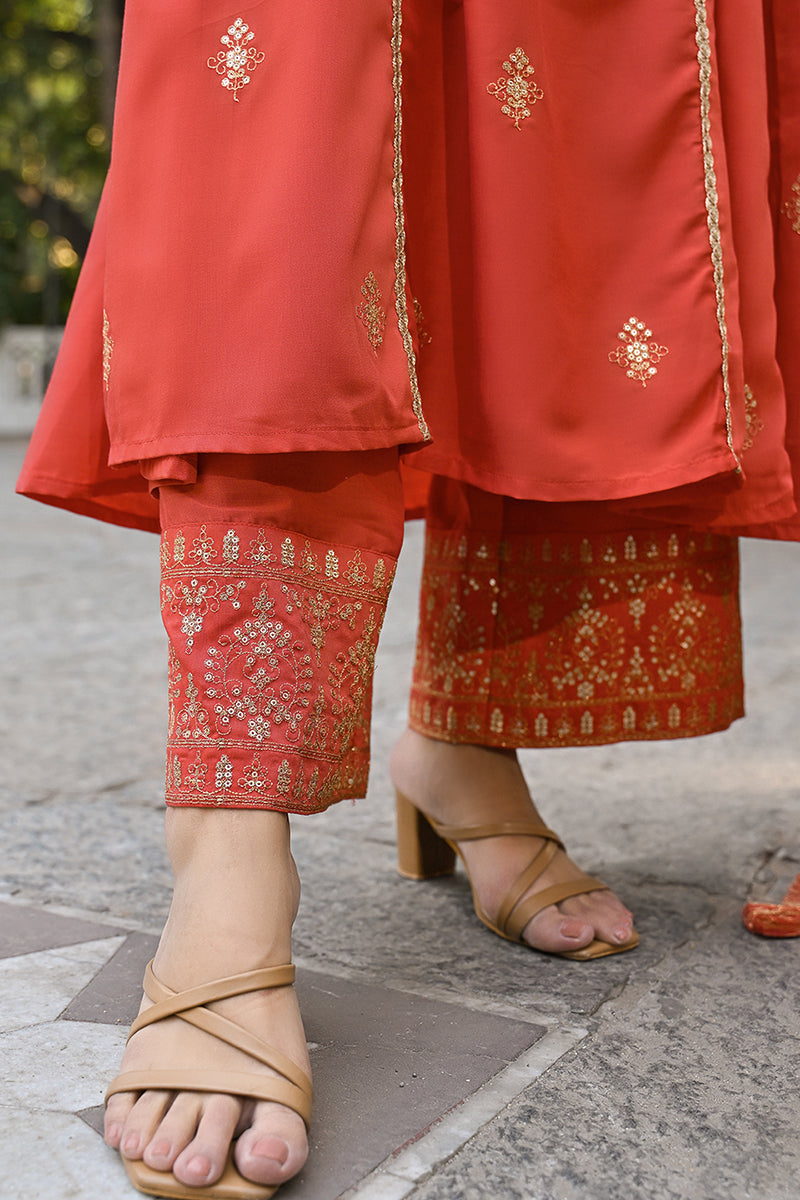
[(426, 849), (292, 1088)]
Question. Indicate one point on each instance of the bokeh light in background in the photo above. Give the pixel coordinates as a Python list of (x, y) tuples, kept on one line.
[(58, 65)]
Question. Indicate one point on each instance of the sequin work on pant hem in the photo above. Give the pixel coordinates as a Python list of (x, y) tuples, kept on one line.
[(272, 648), (574, 640)]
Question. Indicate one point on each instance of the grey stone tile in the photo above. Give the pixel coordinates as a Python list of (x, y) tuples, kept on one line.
[(25, 929), (113, 996), (98, 853), (61, 1066), (386, 1064), (686, 1092), (36, 987), (56, 1158)]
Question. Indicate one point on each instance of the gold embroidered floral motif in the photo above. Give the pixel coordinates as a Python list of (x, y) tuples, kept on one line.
[(791, 208), (195, 599), (283, 632), (370, 312), (237, 58), (516, 90), (753, 422), (637, 639), (108, 349), (637, 355)]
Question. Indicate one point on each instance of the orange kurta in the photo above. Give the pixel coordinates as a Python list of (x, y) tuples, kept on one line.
[(599, 191), (593, 198)]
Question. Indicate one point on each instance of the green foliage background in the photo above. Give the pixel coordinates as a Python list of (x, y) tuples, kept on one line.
[(58, 61)]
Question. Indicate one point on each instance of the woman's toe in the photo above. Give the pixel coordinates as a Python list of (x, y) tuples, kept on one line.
[(554, 932), (202, 1161), (611, 921), (274, 1147), (143, 1120), (117, 1112), (174, 1133)]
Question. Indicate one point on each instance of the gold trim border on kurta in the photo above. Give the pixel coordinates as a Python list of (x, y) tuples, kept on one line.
[(703, 40), (400, 241)]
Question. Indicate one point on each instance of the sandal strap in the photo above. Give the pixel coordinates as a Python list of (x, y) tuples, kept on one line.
[(525, 881), (528, 908), (471, 833), (294, 1089), (169, 1004), (240, 1038), (231, 1083)]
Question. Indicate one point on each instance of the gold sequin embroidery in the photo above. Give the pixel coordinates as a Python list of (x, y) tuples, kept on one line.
[(791, 208), (272, 645), (108, 349), (516, 90), (423, 337), (574, 639), (238, 57), (371, 313), (638, 354), (753, 422)]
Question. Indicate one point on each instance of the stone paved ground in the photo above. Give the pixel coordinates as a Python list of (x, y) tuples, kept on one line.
[(447, 1063)]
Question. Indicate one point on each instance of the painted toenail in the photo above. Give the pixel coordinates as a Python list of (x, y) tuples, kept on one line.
[(572, 929), (273, 1148)]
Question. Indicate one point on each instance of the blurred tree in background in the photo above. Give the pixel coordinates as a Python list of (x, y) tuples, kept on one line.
[(58, 67)]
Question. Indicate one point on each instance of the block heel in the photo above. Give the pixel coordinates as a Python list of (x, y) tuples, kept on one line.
[(421, 853)]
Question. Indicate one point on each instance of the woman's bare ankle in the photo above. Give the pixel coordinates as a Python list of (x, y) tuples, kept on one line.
[(236, 894)]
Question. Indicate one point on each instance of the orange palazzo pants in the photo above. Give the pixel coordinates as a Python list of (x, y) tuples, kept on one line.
[(276, 570)]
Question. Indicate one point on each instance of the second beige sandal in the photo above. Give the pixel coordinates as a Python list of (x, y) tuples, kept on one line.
[(426, 849)]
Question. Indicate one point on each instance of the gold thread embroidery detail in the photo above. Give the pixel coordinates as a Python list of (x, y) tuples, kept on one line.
[(596, 639), (400, 230), (703, 39), (108, 349), (234, 62), (371, 312), (637, 355), (423, 337), (753, 422), (516, 90), (277, 705), (791, 208)]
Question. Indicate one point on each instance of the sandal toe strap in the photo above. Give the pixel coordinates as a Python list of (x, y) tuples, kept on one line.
[(231, 1083), (290, 1086), (525, 910)]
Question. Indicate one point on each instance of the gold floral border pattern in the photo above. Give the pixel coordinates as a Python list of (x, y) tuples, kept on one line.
[(400, 241), (703, 40), (568, 639), (272, 643)]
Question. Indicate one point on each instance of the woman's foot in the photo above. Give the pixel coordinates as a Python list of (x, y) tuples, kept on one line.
[(473, 785), (236, 896)]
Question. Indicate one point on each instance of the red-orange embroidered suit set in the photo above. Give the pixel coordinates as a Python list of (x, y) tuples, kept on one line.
[(529, 268)]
